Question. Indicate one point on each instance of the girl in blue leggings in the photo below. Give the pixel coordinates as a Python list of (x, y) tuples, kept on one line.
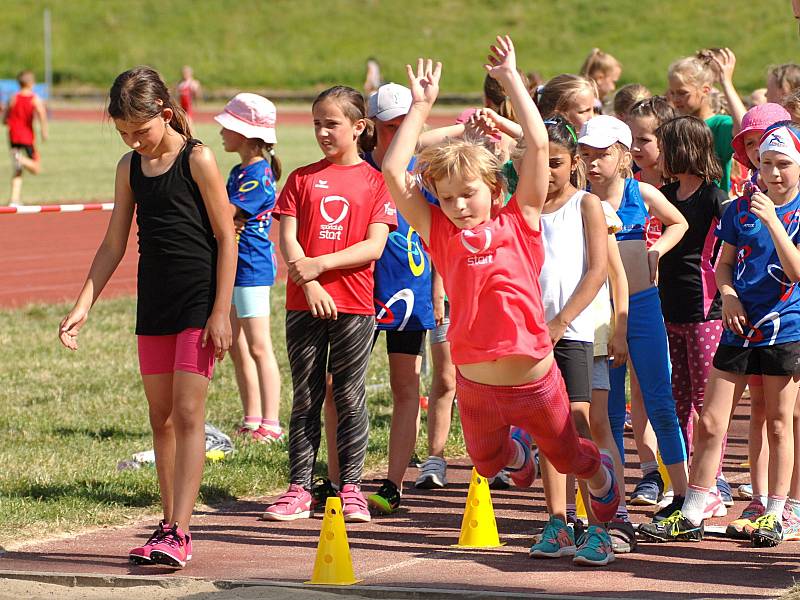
[(605, 150)]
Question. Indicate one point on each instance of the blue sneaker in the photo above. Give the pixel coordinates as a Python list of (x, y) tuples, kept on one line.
[(525, 475), (596, 549), (557, 540), (725, 491), (649, 490)]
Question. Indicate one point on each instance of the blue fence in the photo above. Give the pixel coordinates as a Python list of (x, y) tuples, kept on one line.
[(9, 87)]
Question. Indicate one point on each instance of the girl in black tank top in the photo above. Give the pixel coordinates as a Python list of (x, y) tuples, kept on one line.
[(187, 265)]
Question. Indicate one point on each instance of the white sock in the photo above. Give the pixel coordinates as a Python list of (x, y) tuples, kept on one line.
[(694, 504), (649, 467), (605, 487), (762, 499), (775, 505), (519, 459)]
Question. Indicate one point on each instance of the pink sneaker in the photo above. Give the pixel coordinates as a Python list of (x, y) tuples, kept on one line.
[(141, 555), (605, 508), (267, 436), (714, 505), (526, 474), (293, 504), (173, 549), (354, 505)]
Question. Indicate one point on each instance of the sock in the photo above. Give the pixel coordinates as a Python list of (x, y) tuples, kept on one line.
[(775, 505), (252, 422), (694, 504), (649, 467), (519, 459), (622, 512), (605, 487), (762, 499), (273, 426), (794, 506)]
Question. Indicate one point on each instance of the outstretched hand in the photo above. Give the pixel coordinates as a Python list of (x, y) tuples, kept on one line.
[(502, 60), (424, 84), (723, 61)]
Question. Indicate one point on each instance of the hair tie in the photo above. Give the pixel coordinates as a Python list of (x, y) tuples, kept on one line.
[(571, 130)]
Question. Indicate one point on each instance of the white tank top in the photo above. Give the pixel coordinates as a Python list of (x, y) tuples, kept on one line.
[(565, 264)]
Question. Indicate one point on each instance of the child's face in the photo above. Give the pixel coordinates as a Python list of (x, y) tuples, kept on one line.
[(751, 139), (335, 133), (687, 99), (607, 82), (387, 129), (144, 137), (775, 92), (602, 164), (644, 150), (467, 203), (779, 172), (562, 164), (231, 141), (580, 109)]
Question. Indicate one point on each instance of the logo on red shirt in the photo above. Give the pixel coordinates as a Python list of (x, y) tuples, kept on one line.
[(476, 242), (327, 206)]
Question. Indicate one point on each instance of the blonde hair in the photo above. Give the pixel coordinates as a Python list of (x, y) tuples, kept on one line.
[(555, 96), (627, 96), (692, 70), (787, 76), (458, 159), (599, 62)]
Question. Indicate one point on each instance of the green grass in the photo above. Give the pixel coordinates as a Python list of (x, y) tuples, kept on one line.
[(306, 45), (79, 160), (66, 419)]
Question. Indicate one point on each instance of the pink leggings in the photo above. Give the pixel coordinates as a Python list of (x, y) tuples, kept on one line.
[(541, 408), (691, 350)]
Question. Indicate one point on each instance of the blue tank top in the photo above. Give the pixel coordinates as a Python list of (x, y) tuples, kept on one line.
[(632, 212)]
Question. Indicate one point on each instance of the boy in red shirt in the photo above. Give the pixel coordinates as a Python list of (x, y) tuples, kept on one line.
[(23, 108)]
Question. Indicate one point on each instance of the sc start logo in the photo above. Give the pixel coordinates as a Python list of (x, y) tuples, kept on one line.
[(477, 242), (334, 210)]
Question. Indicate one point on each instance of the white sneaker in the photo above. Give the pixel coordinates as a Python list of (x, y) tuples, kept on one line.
[(432, 474), (714, 505)]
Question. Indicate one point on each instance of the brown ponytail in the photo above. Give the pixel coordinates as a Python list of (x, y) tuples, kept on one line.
[(354, 108), (495, 96)]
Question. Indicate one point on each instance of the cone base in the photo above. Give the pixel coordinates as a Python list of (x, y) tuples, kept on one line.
[(466, 547), (353, 582)]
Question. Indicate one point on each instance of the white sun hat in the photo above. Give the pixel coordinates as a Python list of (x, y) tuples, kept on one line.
[(251, 115)]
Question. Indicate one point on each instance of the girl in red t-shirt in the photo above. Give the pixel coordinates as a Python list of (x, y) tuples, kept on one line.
[(490, 257), (335, 217)]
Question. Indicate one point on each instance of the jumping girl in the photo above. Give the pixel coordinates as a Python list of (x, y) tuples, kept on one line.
[(187, 264)]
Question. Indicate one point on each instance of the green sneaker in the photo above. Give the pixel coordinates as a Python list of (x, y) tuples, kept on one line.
[(674, 528), (768, 531), (596, 549), (557, 540), (387, 499)]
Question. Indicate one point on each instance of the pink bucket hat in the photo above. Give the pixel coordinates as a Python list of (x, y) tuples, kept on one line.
[(757, 119), (251, 115)]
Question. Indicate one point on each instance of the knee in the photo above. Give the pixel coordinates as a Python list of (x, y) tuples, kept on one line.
[(443, 383), (663, 416), (710, 427), (187, 415), (776, 431), (160, 419), (405, 390)]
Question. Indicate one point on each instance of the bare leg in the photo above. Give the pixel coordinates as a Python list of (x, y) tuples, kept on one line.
[(265, 366), (245, 368), (158, 389), (555, 487), (757, 447), (440, 402), (780, 395), (602, 436), (404, 372)]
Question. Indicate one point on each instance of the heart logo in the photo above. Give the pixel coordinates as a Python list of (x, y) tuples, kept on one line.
[(476, 241)]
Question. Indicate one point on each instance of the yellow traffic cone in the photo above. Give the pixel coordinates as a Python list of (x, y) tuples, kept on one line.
[(333, 565), (663, 471), (478, 527), (580, 506)]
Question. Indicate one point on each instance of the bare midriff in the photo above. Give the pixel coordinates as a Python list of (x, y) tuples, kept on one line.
[(634, 259), (509, 370)]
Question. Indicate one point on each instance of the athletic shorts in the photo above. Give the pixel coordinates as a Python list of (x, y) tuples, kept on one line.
[(600, 378), (251, 302), (403, 342), (575, 361), (182, 351), (778, 360), (439, 334), (28, 149)]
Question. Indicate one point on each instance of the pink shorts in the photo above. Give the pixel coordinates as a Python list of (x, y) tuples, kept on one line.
[(177, 352)]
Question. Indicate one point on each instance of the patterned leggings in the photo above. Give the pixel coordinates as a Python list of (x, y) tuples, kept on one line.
[(307, 341), (691, 350)]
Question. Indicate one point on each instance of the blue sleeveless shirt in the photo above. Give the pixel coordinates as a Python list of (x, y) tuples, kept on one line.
[(632, 212)]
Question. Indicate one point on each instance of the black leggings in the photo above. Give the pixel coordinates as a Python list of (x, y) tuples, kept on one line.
[(350, 341)]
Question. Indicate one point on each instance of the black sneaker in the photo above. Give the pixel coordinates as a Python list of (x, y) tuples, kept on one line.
[(321, 490), (768, 531), (649, 490), (387, 499), (669, 509), (675, 528)]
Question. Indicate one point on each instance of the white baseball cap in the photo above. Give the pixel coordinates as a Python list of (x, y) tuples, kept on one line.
[(251, 115), (389, 102), (603, 131)]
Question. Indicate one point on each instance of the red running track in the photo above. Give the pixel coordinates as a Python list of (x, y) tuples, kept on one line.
[(45, 257)]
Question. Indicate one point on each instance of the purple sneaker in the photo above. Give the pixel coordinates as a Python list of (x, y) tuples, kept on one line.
[(525, 475), (173, 549), (354, 505), (141, 554), (605, 508)]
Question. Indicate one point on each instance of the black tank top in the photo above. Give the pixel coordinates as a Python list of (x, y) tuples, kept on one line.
[(177, 250)]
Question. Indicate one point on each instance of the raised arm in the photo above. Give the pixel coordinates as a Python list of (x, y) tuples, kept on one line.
[(534, 170), (724, 63), (107, 257), (407, 196)]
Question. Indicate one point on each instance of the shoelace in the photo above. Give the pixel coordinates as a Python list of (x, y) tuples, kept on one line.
[(172, 539), (594, 541), (159, 533), (673, 519)]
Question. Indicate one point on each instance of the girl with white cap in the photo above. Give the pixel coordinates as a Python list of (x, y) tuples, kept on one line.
[(757, 276), (248, 127)]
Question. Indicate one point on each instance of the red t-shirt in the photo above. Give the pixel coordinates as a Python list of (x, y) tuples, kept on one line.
[(491, 276), (334, 205), (20, 119)]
